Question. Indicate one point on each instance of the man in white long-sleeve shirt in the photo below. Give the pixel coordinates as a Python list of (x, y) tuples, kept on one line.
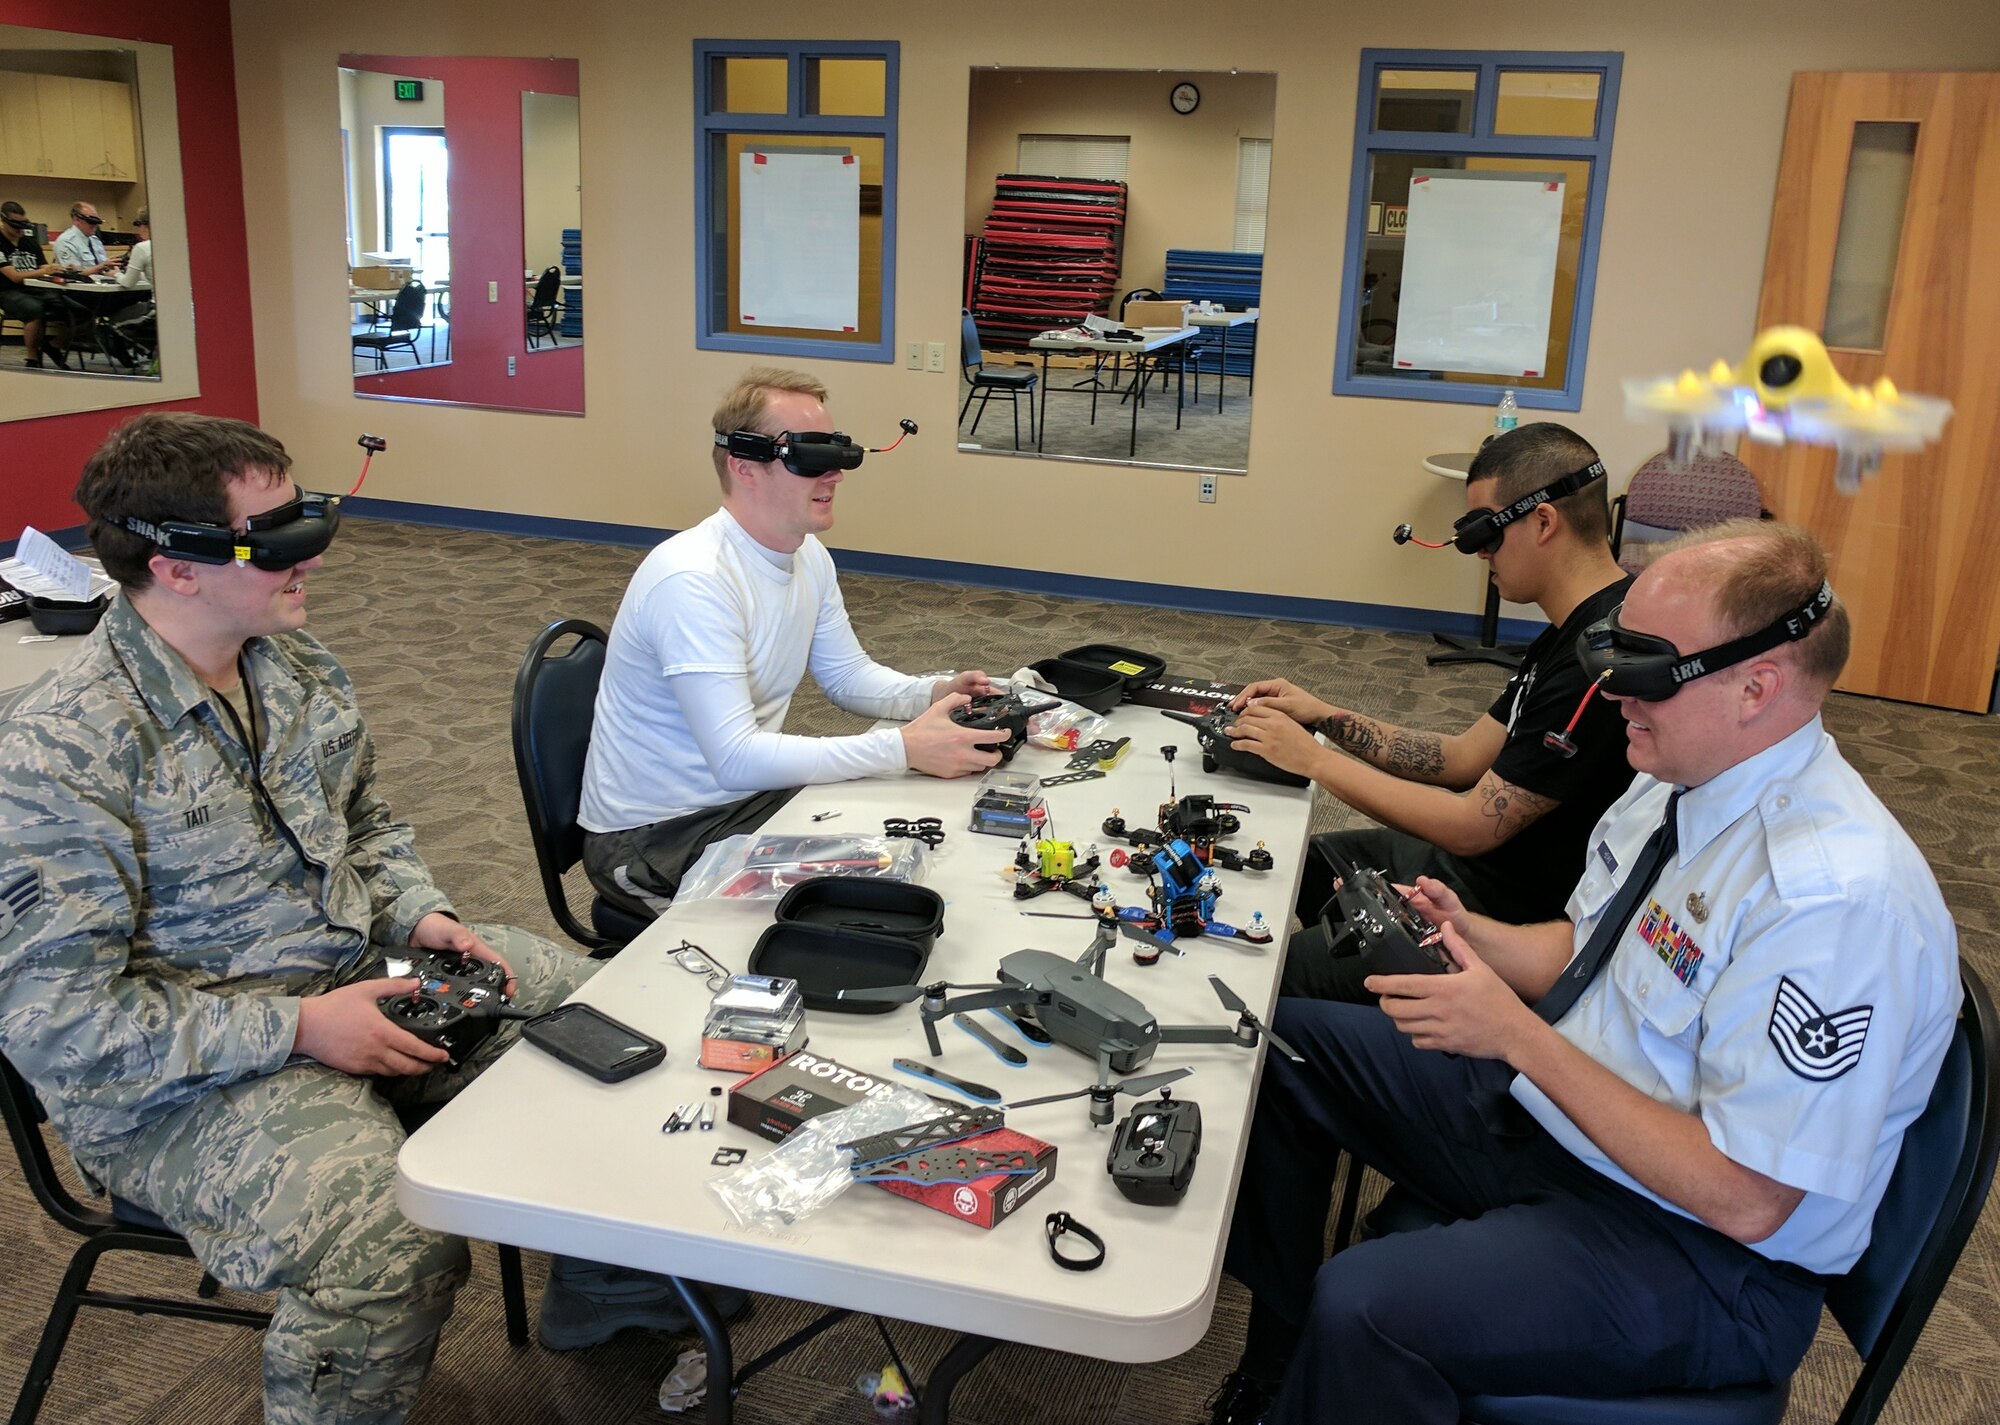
[(715, 631)]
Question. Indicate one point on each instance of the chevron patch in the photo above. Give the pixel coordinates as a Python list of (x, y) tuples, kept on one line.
[(20, 892), (1812, 1043)]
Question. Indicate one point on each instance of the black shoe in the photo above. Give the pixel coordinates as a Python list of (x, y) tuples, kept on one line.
[(1239, 1400), (60, 358)]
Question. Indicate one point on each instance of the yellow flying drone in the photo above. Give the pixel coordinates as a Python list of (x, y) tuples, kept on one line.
[(1786, 389)]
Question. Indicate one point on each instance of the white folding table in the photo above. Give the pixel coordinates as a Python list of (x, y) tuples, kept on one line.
[(538, 1155)]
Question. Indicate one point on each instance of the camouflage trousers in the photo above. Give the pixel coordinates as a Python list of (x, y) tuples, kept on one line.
[(287, 1183)]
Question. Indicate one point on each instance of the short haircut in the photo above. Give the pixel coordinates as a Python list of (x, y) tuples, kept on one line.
[(167, 465), (1757, 571), (76, 208), (140, 219), (12, 209), (1527, 458), (747, 405)]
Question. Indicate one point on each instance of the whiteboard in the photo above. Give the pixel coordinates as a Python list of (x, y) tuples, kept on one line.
[(800, 240), (1479, 272)]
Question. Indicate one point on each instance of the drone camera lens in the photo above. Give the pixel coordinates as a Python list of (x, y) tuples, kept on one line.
[(1780, 371)]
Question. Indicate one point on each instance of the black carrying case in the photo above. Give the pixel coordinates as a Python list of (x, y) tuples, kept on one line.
[(836, 933), (1136, 669)]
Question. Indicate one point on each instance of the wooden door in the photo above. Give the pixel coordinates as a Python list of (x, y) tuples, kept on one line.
[(20, 124), (1914, 553)]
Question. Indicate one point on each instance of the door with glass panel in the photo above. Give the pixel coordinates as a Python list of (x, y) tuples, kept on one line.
[(1882, 240)]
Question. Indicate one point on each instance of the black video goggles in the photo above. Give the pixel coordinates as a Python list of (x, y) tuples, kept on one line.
[(1480, 531), (1647, 667), (811, 453), (274, 541)]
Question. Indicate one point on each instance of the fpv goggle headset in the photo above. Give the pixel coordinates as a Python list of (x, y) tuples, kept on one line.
[(1480, 531), (273, 541), (811, 453), (1649, 668)]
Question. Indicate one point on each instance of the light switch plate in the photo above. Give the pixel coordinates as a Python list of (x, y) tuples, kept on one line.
[(914, 357), (936, 362)]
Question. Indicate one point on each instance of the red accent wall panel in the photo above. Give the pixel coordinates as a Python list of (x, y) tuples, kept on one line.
[(43, 457)]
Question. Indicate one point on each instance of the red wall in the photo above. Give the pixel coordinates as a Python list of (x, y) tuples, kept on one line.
[(42, 458), (482, 117)]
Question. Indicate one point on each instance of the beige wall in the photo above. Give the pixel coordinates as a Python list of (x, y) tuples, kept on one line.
[(367, 105), (1699, 128), (1181, 185), (550, 186)]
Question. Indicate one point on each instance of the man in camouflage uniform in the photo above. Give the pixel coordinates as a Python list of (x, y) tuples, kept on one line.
[(197, 874)]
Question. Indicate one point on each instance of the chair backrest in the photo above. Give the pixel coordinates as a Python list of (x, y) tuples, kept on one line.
[(1933, 1200), (1137, 294), (25, 1116), (555, 703), (408, 313), (548, 287), (1706, 489), (970, 357)]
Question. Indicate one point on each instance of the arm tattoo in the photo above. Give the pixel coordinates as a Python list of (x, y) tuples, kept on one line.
[(1510, 808), (1418, 755)]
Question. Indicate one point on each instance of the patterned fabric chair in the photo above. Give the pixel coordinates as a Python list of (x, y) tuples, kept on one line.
[(1661, 501)]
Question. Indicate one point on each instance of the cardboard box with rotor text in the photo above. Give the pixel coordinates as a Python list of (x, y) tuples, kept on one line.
[(773, 1102), (1168, 316)]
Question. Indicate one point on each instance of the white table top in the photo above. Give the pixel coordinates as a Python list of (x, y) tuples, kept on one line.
[(1150, 341), (1221, 319), (1452, 465), (22, 663), (536, 1154), (85, 287)]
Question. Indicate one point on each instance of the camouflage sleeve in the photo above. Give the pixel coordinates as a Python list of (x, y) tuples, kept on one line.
[(106, 1048), (383, 851)]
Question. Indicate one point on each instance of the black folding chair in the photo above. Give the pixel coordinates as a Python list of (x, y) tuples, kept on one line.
[(545, 309), (406, 322), (555, 704)]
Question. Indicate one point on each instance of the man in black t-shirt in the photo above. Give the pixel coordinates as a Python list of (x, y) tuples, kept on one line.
[(1492, 811), (21, 258)]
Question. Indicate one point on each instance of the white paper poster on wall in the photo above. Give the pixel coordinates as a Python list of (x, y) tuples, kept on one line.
[(1479, 272), (800, 240)]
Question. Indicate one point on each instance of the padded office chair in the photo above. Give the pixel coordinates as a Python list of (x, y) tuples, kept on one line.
[(406, 321), (1661, 501), (545, 308), (1932, 1204), (127, 1227), (555, 703), (984, 384)]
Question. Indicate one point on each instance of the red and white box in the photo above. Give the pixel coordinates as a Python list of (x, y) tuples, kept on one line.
[(987, 1201)]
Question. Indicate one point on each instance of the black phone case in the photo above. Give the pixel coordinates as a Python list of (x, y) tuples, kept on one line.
[(546, 1034)]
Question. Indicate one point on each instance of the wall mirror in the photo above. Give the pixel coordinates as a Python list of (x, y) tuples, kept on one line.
[(88, 126), (464, 244), (1125, 209)]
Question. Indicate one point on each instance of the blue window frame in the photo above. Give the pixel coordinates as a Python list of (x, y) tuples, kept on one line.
[(793, 97), (1482, 111)]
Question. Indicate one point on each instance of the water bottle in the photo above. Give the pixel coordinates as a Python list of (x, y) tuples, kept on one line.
[(1507, 414)]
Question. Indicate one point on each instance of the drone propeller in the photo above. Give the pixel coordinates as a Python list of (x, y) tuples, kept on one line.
[(1155, 944), (1138, 1088), (903, 994), (1233, 1001)]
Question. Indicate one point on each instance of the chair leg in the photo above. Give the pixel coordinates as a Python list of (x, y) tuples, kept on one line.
[(55, 1334), (513, 1294), (970, 392), (984, 397), (1015, 402)]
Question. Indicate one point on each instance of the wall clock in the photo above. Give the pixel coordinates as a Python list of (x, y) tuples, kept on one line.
[(1185, 97)]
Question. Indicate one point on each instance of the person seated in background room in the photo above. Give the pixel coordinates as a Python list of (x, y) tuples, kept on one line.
[(79, 250), (202, 884), (1653, 1170), (21, 258), (1493, 810), (714, 632), (138, 268)]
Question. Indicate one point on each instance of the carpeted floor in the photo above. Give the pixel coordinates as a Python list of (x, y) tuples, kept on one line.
[(432, 623), (1207, 439)]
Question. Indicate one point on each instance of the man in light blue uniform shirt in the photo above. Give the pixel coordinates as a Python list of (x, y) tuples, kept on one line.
[(79, 248), (1663, 1121)]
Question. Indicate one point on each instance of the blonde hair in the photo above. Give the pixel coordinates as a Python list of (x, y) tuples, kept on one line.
[(747, 405), (1757, 571)]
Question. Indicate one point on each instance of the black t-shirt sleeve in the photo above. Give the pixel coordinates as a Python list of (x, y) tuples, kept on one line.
[(1547, 706)]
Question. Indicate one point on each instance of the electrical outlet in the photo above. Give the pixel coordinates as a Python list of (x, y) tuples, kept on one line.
[(1207, 489), (914, 356), (510, 372), (492, 291), (936, 362)]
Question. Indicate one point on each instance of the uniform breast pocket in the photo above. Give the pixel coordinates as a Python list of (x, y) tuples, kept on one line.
[(207, 867), (1667, 1006)]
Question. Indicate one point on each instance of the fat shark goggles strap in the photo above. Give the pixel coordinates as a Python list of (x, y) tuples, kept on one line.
[(273, 541), (811, 453), (1480, 531), (1642, 666)]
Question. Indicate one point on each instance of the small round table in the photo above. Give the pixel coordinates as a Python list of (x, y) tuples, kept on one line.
[(1453, 465)]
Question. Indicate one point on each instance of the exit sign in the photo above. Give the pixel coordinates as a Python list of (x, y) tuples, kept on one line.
[(411, 90)]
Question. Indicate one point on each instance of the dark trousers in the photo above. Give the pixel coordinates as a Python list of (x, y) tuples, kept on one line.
[(1555, 1280), (1313, 968), (640, 869)]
